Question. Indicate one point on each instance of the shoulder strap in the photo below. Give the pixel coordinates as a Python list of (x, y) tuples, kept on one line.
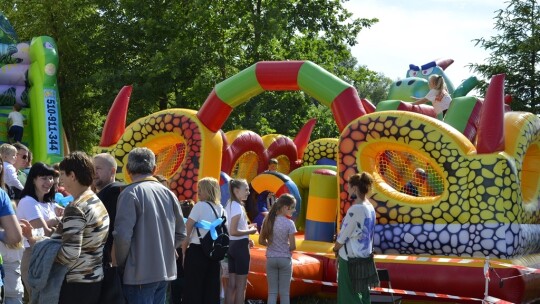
[(213, 209), (215, 213)]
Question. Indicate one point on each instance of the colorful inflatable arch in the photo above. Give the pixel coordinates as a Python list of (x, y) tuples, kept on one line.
[(333, 92), (28, 74)]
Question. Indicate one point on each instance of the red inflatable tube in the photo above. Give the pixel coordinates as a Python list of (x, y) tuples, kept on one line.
[(422, 109), (368, 106), (248, 141), (278, 76), (282, 146), (301, 140), (471, 130), (347, 107), (213, 112)]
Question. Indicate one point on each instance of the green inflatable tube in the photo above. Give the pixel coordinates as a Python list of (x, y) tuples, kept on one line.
[(46, 122)]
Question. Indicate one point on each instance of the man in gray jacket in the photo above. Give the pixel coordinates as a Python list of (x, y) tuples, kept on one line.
[(149, 226)]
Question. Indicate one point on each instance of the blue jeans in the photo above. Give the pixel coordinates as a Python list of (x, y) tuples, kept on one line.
[(146, 293), (13, 300)]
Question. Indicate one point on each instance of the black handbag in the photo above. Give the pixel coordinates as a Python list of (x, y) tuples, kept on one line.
[(362, 272), (111, 287)]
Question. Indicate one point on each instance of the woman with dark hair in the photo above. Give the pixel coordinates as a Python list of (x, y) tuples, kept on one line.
[(37, 207), (37, 203), (354, 244), (82, 233)]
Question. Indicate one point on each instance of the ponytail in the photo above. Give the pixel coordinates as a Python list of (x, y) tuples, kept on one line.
[(267, 230), (438, 80)]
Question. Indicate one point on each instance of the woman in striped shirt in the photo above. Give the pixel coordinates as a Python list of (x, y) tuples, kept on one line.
[(83, 231)]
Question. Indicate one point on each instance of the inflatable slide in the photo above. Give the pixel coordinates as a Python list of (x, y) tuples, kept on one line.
[(28, 72), (478, 197)]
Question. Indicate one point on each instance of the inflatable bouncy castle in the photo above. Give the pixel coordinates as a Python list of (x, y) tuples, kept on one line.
[(475, 172), (28, 72)]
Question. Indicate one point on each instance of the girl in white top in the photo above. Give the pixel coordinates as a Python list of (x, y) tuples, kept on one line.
[(438, 95), (239, 230), (277, 233), (202, 274)]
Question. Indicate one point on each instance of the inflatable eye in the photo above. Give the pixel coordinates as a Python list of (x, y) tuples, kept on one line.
[(427, 71), (413, 73)]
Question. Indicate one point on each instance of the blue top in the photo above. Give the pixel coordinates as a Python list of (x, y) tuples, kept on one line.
[(5, 204), (410, 189), (261, 202), (5, 209)]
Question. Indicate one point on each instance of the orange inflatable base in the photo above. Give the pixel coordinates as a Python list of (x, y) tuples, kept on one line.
[(304, 266)]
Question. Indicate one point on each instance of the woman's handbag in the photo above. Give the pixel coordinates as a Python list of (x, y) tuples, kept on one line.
[(363, 273), (111, 287)]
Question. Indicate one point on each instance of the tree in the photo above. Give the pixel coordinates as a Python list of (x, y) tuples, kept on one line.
[(175, 52), (515, 51), (320, 31), (74, 25)]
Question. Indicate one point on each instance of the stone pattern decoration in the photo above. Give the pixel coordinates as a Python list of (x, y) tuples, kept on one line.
[(172, 128), (481, 210), (320, 149)]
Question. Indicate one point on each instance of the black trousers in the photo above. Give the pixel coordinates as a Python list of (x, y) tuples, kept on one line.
[(201, 277), (80, 293), (177, 286)]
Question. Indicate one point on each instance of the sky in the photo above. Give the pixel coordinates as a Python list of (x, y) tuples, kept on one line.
[(418, 32)]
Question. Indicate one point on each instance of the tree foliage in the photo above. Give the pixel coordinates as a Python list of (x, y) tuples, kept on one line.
[(175, 52), (515, 51)]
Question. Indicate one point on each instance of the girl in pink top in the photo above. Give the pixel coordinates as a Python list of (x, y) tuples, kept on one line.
[(277, 234)]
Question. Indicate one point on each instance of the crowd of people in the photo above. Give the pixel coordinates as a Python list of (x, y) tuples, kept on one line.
[(136, 243)]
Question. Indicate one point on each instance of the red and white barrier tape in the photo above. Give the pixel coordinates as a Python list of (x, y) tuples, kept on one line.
[(399, 291), (524, 268), (426, 259), (327, 254)]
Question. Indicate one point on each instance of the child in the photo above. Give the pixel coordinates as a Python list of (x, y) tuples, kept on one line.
[(15, 124), (9, 156), (265, 199), (273, 165), (277, 234), (12, 256), (438, 95), (239, 230)]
